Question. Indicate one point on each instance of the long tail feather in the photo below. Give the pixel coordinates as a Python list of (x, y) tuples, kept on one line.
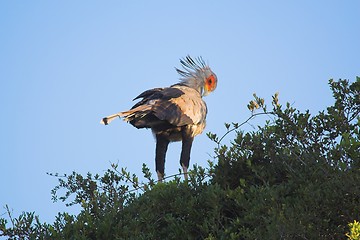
[(108, 119), (137, 112)]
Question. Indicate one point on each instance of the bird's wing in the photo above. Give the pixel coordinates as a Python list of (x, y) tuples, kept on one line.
[(180, 105), (149, 93)]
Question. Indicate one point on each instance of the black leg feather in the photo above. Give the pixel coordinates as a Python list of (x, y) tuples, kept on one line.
[(161, 148), (187, 140)]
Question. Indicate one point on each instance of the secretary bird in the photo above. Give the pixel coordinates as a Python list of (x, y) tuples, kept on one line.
[(175, 113)]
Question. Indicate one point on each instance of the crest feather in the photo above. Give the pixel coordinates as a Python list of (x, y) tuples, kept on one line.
[(191, 66)]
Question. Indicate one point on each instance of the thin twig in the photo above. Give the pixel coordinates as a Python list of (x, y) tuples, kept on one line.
[(9, 214), (128, 178), (253, 115), (157, 181)]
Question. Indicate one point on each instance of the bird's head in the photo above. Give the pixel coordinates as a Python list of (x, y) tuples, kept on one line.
[(198, 75)]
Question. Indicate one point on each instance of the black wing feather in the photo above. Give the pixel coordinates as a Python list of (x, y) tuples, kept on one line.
[(165, 109), (158, 93)]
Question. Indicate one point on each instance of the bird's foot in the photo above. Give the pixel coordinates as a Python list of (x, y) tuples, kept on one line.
[(160, 176)]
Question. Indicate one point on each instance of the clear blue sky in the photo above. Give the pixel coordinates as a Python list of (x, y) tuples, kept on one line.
[(66, 64)]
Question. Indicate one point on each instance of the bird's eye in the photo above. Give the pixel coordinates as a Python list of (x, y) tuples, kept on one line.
[(210, 80), (210, 83)]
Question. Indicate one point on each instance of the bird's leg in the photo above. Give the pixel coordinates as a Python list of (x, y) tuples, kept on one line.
[(161, 147), (187, 140)]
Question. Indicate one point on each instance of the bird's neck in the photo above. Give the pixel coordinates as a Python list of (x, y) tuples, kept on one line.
[(194, 83)]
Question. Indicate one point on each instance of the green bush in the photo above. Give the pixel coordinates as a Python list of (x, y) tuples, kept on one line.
[(296, 177), (354, 231)]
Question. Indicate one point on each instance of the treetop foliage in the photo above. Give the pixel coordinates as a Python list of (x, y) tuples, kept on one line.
[(296, 177)]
